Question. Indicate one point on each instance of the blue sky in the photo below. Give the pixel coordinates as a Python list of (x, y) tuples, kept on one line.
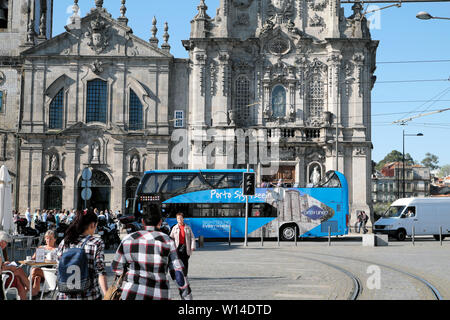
[(402, 38)]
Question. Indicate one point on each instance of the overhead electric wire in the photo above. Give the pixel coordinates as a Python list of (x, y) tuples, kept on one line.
[(432, 100)]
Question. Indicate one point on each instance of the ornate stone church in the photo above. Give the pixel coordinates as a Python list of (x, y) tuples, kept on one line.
[(97, 96)]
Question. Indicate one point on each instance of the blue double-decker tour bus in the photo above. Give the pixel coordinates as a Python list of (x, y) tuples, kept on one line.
[(213, 204)]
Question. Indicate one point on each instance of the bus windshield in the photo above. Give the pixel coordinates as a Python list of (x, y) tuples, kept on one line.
[(394, 211)]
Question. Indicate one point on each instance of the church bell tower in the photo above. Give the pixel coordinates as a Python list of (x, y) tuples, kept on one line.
[(24, 23)]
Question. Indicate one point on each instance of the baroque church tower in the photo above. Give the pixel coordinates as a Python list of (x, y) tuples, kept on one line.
[(297, 71)]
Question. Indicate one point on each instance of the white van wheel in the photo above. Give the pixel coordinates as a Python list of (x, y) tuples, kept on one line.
[(401, 235)]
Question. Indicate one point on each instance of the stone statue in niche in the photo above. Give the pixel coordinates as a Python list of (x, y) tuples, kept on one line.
[(135, 164), (54, 165), (96, 152), (315, 176), (292, 112)]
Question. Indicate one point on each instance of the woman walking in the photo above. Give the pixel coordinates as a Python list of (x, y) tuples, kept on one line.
[(81, 232)]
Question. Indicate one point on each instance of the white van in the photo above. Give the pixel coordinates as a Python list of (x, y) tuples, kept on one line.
[(427, 215)]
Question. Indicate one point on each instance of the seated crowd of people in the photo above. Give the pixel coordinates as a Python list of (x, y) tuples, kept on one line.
[(52, 220)]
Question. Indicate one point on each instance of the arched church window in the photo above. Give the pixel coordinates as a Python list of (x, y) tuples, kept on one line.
[(279, 102), (97, 100), (316, 95), (56, 111), (3, 14), (242, 97), (136, 116)]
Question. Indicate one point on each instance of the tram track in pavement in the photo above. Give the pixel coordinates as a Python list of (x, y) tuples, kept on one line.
[(358, 287)]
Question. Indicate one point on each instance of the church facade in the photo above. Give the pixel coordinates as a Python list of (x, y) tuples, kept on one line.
[(295, 74)]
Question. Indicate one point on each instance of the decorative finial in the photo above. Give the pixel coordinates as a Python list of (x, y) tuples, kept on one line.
[(154, 40), (202, 8), (166, 45), (99, 4), (123, 9)]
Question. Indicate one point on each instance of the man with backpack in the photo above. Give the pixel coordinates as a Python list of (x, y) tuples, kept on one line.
[(145, 257)]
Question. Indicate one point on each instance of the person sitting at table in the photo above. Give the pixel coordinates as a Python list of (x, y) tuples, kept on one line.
[(20, 278), (37, 275)]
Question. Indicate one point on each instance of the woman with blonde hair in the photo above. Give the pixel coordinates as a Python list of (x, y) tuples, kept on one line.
[(37, 275)]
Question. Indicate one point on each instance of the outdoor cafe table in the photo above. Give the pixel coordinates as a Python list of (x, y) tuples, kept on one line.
[(34, 264)]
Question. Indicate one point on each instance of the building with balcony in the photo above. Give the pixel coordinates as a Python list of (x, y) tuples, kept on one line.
[(387, 184)]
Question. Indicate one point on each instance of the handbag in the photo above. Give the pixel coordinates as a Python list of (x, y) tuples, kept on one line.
[(115, 291)]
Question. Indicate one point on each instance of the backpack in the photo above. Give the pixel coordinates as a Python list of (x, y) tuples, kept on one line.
[(73, 271)]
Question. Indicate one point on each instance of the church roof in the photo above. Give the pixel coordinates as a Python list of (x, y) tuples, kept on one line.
[(100, 35)]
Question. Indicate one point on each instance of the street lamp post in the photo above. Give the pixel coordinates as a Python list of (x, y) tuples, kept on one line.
[(403, 169), (426, 16)]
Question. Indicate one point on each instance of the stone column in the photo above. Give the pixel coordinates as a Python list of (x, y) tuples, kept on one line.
[(154, 107), (163, 95), (119, 174), (37, 185), (25, 182), (71, 169), (27, 117), (198, 88)]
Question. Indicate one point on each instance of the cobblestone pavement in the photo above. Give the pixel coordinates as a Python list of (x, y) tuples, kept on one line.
[(288, 272)]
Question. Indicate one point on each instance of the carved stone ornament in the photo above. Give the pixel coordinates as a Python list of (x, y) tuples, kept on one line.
[(359, 151), (242, 66), (279, 46), (97, 67), (242, 4), (317, 21), (268, 26), (318, 5), (242, 19), (282, 9), (98, 35)]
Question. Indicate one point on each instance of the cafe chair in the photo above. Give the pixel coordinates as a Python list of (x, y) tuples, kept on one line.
[(50, 284), (39, 242), (27, 244), (9, 292)]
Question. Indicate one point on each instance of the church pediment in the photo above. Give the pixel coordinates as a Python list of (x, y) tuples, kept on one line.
[(97, 34)]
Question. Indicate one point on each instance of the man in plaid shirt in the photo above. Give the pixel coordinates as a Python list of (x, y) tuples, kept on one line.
[(146, 256)]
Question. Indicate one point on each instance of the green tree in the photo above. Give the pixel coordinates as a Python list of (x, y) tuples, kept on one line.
[(395, 156), (445, 171), (431, 161)]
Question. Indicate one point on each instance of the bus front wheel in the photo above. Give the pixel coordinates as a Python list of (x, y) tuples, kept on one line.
[(288, 232)]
